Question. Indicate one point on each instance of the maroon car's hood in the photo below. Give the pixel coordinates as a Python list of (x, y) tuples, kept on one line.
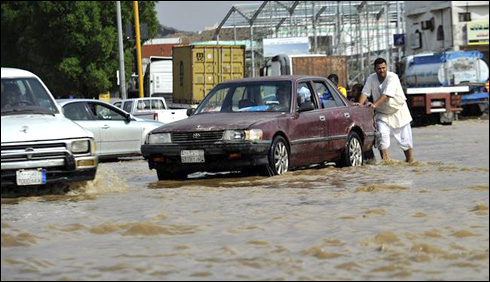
[(216, 122)]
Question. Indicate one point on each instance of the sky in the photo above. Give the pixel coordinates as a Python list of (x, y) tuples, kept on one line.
[(194, 15)]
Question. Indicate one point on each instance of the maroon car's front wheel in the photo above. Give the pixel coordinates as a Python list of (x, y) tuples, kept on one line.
[(278, 157)]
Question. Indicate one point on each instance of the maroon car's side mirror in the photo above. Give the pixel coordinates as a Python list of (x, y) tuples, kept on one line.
[(190, 112)]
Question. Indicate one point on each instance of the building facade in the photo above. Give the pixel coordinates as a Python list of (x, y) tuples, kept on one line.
[(438, 26)]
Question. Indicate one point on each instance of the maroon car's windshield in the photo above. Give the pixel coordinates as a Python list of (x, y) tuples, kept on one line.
[(248, 97)]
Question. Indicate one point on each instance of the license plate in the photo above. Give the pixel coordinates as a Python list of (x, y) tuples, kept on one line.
[(192, 156), (31, 177)]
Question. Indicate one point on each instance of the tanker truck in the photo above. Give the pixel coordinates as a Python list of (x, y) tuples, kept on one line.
[(438, 86)]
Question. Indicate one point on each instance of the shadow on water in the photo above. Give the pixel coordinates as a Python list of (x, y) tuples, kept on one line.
[(392, 173), (106, 181), (306, 178)]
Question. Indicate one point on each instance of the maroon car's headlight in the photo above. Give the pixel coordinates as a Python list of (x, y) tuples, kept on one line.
[(243, 135), (234, 135), (159, 138), (254, 135)]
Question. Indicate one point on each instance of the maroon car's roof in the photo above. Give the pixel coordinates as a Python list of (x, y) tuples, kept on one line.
[(274, 78)]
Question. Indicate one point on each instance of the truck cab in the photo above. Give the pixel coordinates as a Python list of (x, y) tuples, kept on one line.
[(39, 145)]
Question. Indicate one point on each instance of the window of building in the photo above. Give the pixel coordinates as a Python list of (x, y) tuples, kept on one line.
[(465, 17), (440, 33)]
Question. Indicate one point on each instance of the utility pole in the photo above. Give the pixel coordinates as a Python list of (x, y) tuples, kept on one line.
[(252, 48), (389, 52), (138, 46), (122, 75)]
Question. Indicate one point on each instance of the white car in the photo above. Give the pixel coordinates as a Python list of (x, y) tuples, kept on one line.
[(39, 145), (116, 132)]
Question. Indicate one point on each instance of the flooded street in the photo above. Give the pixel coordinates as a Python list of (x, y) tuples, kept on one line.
[(386, 221)]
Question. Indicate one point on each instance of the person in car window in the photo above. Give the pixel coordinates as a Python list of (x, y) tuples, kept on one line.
[(283, 98), (10, 95)]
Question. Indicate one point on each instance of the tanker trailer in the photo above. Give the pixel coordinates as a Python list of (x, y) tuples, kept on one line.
[(438, 86)]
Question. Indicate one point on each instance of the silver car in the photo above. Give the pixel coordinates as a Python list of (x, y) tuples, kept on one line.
[(117, 133)]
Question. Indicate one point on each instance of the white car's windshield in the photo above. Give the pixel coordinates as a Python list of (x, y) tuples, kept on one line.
[(248, 97), (25, 96)]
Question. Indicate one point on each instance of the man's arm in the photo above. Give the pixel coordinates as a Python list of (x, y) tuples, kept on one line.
[(374, 105), (362, 99), (379, 102)]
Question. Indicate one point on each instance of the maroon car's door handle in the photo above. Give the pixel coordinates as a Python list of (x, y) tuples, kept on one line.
[(347, 115), (322, 118)]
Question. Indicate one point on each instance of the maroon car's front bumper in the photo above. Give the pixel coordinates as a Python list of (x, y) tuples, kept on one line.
[(220, 156)]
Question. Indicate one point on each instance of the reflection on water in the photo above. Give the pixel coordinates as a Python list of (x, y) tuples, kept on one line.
[(390, 220)]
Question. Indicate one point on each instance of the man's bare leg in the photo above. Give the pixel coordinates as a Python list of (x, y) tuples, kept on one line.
[(408, 156), (384, 154)]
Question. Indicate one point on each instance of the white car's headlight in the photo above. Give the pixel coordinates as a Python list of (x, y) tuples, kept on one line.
[(160, 138), (80, 146)]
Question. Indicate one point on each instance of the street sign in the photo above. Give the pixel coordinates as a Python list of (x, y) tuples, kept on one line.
[(399, 39)]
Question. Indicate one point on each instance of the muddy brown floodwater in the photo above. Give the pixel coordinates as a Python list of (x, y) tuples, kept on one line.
[(384, 221)]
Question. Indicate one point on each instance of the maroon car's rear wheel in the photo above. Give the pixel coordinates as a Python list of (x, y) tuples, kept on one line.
[(353, 155)]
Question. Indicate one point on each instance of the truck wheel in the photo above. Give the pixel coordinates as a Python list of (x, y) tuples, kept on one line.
[(278, 157), (166, 175), (447, 118), (353, 151)]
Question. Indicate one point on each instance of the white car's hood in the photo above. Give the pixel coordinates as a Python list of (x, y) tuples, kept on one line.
[(23, 128)]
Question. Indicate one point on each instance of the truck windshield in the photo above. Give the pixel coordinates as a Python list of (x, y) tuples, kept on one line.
[(26, 96), (248, 97)]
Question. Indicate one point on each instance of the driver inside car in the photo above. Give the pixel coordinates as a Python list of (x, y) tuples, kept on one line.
[(10, 95), (283, 98)]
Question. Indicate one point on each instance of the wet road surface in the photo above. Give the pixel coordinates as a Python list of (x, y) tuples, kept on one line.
[(394, 221)]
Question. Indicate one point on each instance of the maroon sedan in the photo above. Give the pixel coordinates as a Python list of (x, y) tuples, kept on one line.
[(270, 124)]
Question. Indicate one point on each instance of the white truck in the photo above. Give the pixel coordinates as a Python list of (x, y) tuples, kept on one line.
[(154, 108), (39, 145)]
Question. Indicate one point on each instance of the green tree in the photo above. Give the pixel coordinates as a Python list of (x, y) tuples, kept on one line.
[(71, 45)]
